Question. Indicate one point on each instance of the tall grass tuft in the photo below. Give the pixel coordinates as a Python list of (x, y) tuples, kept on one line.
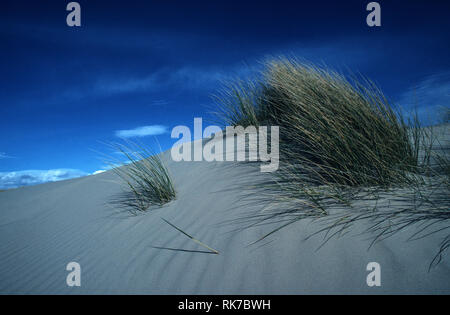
[(339, 131), (344, 149), (146, 176)]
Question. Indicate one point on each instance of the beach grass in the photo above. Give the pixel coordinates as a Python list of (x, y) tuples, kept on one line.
[(145, 175), (340, 130), (343, 148)]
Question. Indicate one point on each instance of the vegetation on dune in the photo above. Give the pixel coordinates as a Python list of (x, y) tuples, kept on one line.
[(339, 131), (146, 177), (342, 147)]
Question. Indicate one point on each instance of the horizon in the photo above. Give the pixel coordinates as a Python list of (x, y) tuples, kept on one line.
[(137, 70)]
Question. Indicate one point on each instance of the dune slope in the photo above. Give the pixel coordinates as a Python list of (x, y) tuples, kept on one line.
[(43, 228)]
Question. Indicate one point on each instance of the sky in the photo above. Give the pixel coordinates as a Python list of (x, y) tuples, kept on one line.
[(136, 69)]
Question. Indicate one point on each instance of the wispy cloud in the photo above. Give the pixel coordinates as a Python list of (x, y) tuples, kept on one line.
[(126, 85), (186, 77), (34, 177), (143, 131), (428, 97), (159, 103), (3, 155)]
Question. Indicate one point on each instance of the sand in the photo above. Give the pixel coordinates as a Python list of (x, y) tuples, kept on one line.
[(44, 227)]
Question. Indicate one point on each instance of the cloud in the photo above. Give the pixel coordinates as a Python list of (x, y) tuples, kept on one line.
[(3, 155), (98, 172), (185, 77), (143, 131), (34, 177), (428, 97), (127, 85)]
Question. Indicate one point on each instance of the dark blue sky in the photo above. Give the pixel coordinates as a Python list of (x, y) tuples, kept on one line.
[(131, 64)]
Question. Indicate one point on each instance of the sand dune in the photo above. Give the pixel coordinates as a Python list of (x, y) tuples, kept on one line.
[(44, 227)]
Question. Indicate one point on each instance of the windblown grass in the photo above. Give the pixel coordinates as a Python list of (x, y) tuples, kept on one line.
[(339, 131), (343, 148), (146, 177), (238, 104)]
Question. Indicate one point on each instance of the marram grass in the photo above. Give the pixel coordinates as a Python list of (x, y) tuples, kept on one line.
[(344, 150), (339, 131), (145, 175)]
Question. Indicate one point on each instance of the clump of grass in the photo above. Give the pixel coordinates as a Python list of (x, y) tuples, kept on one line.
[(146, 176), (343, 148), (339, 131), (338, 135)]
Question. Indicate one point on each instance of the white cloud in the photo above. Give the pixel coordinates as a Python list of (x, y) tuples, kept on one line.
[(98, 172), (34, 177), (143, 131)]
